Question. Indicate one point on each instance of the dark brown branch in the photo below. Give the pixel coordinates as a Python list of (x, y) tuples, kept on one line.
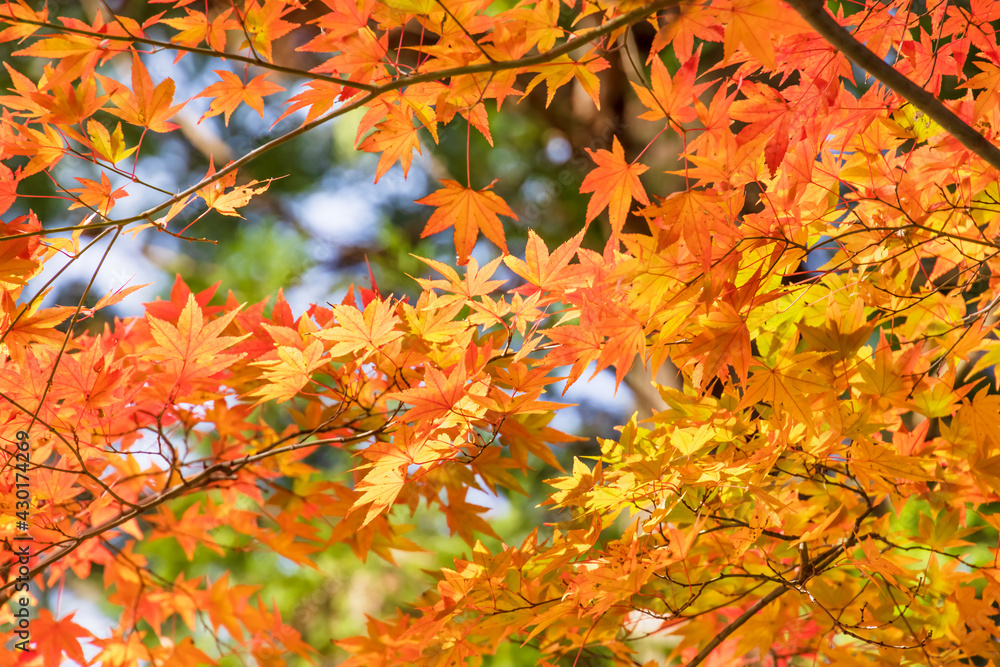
[(732, 627), (815, 14), (808, 568)]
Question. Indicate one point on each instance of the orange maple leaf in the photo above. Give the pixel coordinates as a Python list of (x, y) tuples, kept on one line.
[(8, 187), (182, 653), (265, 24), (226, 203), (615, 183), (989, 81), (396, 139), (440, 396), (195, 28), (788, 385), (542, 270), (563, 69), (18, 31), (755, 23), (122, 651), (319, 97), (96, 195), (145, 105), (724, 339), (464, 518), (193, 341), (469, 211), (227, 603), (671, 97), (228, 93), (389, 462), (60, 637)]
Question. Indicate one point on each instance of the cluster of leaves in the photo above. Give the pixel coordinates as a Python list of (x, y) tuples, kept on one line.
[(805, 495)]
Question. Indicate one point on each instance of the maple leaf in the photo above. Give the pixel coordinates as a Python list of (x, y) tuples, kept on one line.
[(227, 603), (8, 187), (843, 334), (874, 562), (18, 30), (195, 28), (288, 374), (988, 80), (345, 18), (144, 105), (671, 97), (182, 653), (390, 461), (61, 637), (264, 24), (319, 97), (981, 415), (615, 183), (379, 489), (77, 54), (688, 23), (96, 195), (223, 201), (194, 341), (564, 69), (118, 651), (438, 397), (545, 271), (232, 90), (108, 146), (724, 339), (396, 139), (66, 105), (370, 330), (700, 217), (786, 385), (885, 375), (754, 23), (465, 519), (469, 212)]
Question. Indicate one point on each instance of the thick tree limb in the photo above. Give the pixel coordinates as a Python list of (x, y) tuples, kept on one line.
[(815, 14)]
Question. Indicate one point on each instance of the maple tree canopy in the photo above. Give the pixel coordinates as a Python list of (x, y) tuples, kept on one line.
[(819, 487)]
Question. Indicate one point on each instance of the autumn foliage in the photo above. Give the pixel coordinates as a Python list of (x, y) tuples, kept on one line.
[(818, 489)]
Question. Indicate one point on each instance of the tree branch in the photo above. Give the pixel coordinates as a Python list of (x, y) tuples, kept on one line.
[(815, 14), (732, 627)]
